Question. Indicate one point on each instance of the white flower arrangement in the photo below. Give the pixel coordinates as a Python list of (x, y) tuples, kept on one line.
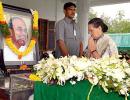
[(112, 73), (62, 69)]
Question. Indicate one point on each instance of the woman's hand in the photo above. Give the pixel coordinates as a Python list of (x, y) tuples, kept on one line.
[(92, 48), (91, 44)]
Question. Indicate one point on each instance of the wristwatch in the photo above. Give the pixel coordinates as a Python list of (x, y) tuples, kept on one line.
[(93, 51)]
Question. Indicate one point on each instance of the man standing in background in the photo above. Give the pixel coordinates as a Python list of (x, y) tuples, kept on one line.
[(68, 36)]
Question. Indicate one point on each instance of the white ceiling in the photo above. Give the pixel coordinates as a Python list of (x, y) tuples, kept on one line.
[(106, 2), (101, 2)]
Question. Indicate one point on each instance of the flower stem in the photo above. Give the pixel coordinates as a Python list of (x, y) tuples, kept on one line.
[(126, 97), (88, 97)]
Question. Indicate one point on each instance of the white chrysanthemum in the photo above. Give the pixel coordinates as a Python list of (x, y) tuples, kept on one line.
[(124, 91), (93, 80), (37, 66), (127, 70), (118, 74), (51, 56)]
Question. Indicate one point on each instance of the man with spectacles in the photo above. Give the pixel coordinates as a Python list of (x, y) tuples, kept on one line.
[(19, 34), (18, 31)]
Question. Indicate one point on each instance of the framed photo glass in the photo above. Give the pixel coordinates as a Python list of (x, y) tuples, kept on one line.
[(20, 26)]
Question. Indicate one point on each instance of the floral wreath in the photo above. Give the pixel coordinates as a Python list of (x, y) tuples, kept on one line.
[(5, 31)]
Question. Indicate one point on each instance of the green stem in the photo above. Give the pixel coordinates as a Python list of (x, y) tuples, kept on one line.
[(126, 97), (88, 97)]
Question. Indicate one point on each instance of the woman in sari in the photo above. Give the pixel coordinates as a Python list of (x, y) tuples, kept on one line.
[(100, 44)]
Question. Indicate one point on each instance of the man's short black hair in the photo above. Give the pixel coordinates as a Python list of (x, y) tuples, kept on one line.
[(69, 4)]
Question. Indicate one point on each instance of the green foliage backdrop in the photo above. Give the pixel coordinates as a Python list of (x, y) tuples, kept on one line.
[(116, 25)]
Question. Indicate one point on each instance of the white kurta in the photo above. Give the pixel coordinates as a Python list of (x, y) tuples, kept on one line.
[(11, 56)]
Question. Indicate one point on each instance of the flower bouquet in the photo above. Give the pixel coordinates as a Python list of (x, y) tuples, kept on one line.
[(112, 74)]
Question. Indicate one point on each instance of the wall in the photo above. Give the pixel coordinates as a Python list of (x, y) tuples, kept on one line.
[(59, 8), (83, 19), (53, 10), (46, 8)]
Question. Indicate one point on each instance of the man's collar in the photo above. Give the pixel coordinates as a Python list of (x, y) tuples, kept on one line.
[(22, 48), (68, 20)]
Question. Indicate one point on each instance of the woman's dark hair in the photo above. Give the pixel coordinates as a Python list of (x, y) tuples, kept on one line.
[(98, 22), (69, 4)]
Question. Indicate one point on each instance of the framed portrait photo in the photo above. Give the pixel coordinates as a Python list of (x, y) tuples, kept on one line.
[(20, 26)]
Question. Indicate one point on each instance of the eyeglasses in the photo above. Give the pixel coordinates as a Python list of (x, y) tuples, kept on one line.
[(20, 29)]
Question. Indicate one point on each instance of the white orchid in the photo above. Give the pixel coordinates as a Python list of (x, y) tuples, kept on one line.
[(124, 91), (94, 80), (111, 73), (127, 70)]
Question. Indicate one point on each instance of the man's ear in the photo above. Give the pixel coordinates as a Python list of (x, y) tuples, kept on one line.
[(64, 11), (12, 34), (11, 31)]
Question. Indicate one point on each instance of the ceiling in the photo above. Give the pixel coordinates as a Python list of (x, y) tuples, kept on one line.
[(106, 2), (101, 2)]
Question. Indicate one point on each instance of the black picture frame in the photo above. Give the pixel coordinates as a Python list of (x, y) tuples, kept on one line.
[(36, 49)]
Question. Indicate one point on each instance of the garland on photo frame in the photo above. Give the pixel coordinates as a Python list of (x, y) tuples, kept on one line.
[(5, 31)]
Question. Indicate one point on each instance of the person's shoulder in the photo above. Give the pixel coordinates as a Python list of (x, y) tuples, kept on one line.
[(60, 22), (107, 36), (111, 41)]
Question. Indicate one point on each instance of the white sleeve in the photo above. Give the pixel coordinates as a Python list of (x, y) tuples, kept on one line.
[(113, 48)]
